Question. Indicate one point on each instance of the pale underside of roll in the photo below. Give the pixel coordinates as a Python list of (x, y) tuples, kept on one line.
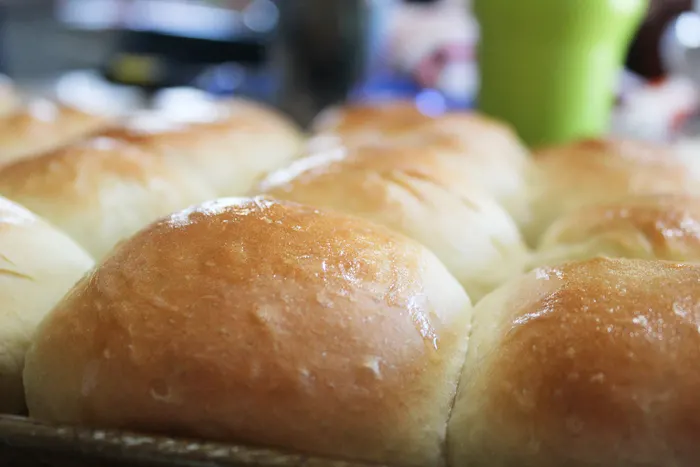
[(286, 327), (599, 171), (665, 227), (101, 190), (38, 265), (420, 193)]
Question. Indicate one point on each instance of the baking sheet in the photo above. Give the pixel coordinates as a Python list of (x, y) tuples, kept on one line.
[(24, 442)]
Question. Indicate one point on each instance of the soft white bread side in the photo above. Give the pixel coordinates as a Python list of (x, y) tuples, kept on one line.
[(584, 364), (413, 192), (43, 125), (102, 190), (663, 227), (38, 265), (493, 156), (266, 323), (230, 144), (599, 171)]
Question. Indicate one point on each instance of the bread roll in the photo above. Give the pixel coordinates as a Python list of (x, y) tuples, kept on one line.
[(417, 193), (43, 125), (369, 122), (39, 265), (273, 324), (586, 364), (494, 157), (9, 98), (646, 227), (231, 144), (599, 171), (101, 190)]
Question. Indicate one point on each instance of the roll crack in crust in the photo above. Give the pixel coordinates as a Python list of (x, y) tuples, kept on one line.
[(230, 144), (265, 323), (102, 190), (492, 152), (586, 364), (599, 171), (43, 125), (415, 192), (665, 227), (38, 265)]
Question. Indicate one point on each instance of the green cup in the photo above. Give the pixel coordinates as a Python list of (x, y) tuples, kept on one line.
[(551, 67)]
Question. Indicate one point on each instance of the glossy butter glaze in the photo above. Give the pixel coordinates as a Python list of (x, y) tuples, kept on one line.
[(589, 363), (286, 327)]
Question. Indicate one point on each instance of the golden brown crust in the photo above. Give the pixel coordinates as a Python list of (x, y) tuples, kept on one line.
[(231, 144), (585, 364), (598, 171), (663, 227), (423, 193), (101, 190), (38, 265), (269, 323), (42, 126)]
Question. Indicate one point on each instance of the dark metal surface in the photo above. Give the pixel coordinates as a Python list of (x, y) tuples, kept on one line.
[(24, 442), (321, 50)]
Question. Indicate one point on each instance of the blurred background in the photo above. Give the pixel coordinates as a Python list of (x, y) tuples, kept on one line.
[(303, 55)]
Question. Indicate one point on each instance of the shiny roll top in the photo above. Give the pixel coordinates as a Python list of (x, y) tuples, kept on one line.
[(101, 190), (663, 227), (598, 171), (423, 193), (583, 364), (286, 327), (230, 144), (38, 265), (43, 125)]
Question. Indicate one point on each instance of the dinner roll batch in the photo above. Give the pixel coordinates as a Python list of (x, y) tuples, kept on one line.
[(392, 287)]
